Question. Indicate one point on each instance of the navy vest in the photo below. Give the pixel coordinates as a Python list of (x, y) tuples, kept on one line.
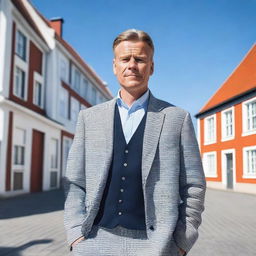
[(123, 202)]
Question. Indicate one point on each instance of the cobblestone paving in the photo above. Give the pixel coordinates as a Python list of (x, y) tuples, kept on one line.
[(32, 225)]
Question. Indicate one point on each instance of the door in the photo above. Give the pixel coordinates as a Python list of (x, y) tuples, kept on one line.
[(36, 178), (229, 168)]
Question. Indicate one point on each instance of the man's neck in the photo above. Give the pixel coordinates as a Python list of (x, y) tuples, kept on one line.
[(130, 97)]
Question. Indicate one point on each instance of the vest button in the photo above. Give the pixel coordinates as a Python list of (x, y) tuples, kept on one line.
[(120, 213), (125, 164), (123, 178), (126, 151), (120, 201), (151, 228), (122, 190)]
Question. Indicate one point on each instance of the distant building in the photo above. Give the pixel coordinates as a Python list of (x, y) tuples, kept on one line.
[(227, 130), (43, 85)]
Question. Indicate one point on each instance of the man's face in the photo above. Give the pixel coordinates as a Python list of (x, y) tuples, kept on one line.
[(133, 64)]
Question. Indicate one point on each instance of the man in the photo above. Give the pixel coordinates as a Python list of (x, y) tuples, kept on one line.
[(135, 182)]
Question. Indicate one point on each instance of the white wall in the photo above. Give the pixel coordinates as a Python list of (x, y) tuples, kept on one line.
[(4, 121)]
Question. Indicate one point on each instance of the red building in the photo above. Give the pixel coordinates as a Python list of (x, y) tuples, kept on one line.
[(227, 130)]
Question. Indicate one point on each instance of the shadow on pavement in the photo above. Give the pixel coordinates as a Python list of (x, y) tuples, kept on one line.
[(16, 251), (30, 204)]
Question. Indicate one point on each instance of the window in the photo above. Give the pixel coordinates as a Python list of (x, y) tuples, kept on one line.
[(74, 109), (37, 94), (94, 94), (210, 132), (63, 69), (209, 162), (54, 163), (19, 149), (249, 117), (63, 103), (21, 44), (77, 80), (228, 124), (19, 85), (84, 89), (249, 157), (19, 155), (54, 153)]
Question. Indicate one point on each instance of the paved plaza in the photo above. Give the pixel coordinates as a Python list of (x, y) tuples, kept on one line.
[(32, 225)]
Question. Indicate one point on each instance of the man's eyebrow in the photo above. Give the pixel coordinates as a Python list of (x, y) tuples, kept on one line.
[(136, 55)]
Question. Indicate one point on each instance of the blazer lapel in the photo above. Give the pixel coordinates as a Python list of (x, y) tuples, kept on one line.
[(153, 127)]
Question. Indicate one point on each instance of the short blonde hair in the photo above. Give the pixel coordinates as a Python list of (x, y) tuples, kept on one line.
[(133, 35)]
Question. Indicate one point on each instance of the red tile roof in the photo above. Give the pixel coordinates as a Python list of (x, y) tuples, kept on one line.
[(242, 80)]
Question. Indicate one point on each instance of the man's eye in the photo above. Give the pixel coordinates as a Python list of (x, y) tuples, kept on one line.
[(139, 60), (125, 59)]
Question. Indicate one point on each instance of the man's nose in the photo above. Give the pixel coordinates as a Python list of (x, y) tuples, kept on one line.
[(132, 63)]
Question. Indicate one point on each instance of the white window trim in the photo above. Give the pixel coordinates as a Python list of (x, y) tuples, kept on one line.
[(207, 175), (205, 130), (15, 167), (245, 175), (38, 78), (244, 117), (223, 125), (224, 166), (23, 66)]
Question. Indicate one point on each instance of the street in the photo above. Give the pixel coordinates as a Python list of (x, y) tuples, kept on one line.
[(32, 225)]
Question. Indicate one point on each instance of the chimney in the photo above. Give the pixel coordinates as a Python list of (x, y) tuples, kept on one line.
[(56, 24)]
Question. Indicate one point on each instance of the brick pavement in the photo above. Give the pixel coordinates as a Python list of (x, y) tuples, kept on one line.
[(32, 225)]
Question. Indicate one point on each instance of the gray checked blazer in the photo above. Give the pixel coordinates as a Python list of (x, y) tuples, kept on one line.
[(172, 175)]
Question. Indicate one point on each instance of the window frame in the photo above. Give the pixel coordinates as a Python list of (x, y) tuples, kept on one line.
[(246, 174), (207, 141), (224, 136), (72, 117), (38, 79), (19, 167), (23, 55), (246, 131), (63, 98), (205, 164), (23, 79)]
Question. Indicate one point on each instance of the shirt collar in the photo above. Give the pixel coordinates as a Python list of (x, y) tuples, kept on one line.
[(139, 103)]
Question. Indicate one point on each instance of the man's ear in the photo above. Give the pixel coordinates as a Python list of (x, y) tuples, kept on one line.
[(152, 68), (114, 66)]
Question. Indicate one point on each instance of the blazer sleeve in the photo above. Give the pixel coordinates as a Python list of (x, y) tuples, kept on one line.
[(74, 184), (192, 188)]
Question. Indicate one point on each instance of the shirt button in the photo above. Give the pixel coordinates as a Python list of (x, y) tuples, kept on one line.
[(123, 178), (122, 190), (126, 151), (119, 213), (125, 164), (120, 201)]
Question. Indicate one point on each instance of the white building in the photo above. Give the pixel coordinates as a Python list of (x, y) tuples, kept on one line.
[(43, 85)]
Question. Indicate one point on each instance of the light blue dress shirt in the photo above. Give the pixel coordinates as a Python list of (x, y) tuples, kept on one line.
[(132, 116)]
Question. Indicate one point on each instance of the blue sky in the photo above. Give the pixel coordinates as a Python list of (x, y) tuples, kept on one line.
[(198, 43)]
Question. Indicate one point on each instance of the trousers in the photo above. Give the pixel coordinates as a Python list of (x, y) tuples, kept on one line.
[(120, 241)]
